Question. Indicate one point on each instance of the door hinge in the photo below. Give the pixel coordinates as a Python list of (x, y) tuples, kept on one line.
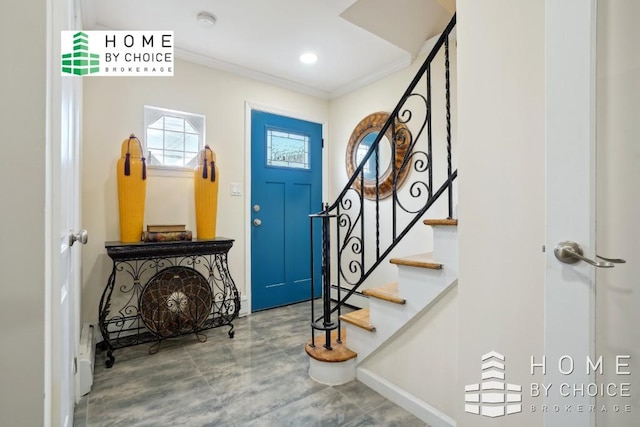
[(75, 365), (322, 142)]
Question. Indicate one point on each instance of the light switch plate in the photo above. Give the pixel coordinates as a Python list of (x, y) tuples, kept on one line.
[(236, 189)]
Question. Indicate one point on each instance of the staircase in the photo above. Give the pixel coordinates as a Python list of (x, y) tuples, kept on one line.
[(422, 280), (361, 229)]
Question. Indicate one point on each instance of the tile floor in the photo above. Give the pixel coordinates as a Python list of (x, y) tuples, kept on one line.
[(259, 378)]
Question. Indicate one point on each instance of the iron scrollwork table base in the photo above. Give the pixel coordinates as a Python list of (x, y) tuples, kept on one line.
[(134, 264)]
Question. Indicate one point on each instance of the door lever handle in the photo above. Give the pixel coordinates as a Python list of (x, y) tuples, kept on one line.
[(613, 260), (571, 252)]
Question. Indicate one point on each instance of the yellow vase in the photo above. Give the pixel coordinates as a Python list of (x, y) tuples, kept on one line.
[(205, 185), (132, 189)]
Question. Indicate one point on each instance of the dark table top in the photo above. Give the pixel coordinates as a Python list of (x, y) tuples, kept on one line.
[(140, 250)]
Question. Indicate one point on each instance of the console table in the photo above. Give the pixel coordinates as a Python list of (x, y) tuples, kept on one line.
[(162, 290)]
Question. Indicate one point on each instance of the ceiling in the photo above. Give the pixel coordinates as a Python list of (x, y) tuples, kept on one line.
[(356, 41)]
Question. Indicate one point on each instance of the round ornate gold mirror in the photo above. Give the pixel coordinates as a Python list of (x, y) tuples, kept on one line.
[(362, 137)]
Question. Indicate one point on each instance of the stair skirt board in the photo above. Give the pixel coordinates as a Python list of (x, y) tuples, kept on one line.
[(404, 399), (332, 373), (366, 345)]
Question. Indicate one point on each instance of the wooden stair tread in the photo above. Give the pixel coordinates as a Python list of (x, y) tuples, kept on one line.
[(421, 260), (446, 221), (388, 292), (359, 318), (340, 352)]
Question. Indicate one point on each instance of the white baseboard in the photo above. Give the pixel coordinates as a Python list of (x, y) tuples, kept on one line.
[(404, 399), (244, 306), (86, 359)]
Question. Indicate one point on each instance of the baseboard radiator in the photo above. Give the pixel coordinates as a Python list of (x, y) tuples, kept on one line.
[(86, 358)]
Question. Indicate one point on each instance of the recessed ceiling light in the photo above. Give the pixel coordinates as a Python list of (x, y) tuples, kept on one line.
[(206, 19), (308, 58)]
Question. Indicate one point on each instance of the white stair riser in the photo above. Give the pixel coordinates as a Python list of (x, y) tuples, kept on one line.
[(445, 245), (383, 313), (361, 341), (419, 285), (332, 373)]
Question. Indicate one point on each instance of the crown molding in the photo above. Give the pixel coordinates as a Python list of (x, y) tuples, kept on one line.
[(373, 77), (249, 73)]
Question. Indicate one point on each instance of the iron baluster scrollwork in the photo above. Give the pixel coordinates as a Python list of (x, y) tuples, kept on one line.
[(448, 121), (325, 322), (366, 231), (429, 131), (313, 282)]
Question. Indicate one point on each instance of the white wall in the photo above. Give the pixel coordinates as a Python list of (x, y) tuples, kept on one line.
[(501, 193), (618, 207), (22, 195), (421, 359), (345, 114), (113, 108)]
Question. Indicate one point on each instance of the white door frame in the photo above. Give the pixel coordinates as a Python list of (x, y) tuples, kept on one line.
[(570, 69), (62, 217), (248, 107)]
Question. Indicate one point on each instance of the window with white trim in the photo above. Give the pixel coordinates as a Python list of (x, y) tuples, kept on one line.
[(173, 138)]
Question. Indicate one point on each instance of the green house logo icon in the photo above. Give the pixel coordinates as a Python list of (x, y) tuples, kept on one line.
[(80, 61)]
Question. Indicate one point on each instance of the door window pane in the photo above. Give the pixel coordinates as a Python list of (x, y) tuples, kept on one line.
[(286, 149)]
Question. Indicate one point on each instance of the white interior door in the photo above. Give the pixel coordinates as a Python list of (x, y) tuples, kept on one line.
[(63, 195), (570, 198), (618, 204), (581, 299)]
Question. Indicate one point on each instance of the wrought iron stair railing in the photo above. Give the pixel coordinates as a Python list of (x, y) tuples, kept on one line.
[(354, 222)]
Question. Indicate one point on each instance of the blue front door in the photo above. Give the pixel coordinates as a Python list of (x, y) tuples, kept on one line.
[(286, 186)]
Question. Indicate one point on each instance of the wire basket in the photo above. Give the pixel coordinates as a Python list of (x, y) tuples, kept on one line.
[(175, 301)]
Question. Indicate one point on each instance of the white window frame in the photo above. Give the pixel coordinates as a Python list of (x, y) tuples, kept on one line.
[(197, 121)]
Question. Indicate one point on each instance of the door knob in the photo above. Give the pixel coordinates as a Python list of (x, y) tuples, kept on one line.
[(571, 252), (257, 222), (81, 236)]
